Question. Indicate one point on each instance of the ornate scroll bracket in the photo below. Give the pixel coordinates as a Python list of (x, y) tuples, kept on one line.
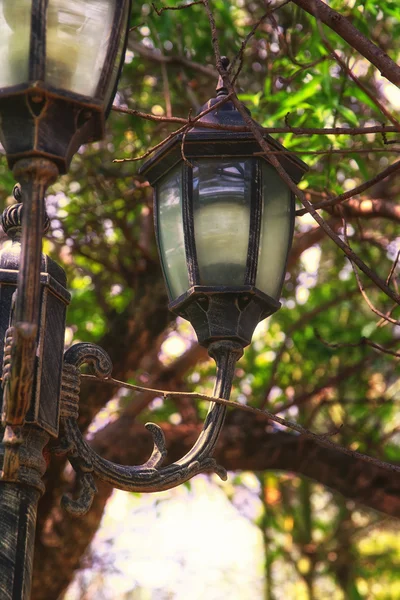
[(150, 476)]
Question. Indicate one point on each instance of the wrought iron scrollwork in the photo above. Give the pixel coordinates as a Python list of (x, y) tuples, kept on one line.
[(150, 476)]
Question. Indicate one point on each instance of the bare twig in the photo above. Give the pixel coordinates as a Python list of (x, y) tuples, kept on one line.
[(392, 270), (331, 151), (375, 310), (135, 27), (351, 131), (152, 149), (239, 55), (384, 316), (185, 160), (164, 73), (155, 56), (356, 80), (188, 123), (333, 381), (159, 11), (320, 439), (354, 191), (386, 141), (288, 80), (304, 320), (362, 342), (384, 321)]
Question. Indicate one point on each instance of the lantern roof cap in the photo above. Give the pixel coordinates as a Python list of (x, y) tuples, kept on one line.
[(217, 142), (224, 114)]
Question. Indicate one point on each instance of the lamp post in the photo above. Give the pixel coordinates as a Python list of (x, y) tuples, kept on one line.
[(59, 65), (224, 225)]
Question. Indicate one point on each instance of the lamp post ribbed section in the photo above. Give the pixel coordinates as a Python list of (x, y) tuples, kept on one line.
[(18, 509)]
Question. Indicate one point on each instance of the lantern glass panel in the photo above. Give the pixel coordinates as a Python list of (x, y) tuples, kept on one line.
[(171, 238), (15, 35), (221, 209), (276, 232), (78, 34)]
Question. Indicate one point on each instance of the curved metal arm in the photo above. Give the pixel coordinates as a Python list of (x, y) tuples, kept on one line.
[(148, 477)]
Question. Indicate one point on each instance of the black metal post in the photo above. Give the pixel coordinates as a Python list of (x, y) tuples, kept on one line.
[(36, 174), (18, 508), (32, 322)]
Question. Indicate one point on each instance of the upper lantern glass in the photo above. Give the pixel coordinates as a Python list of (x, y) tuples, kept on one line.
[(15, 33), (78, 35), (170, 232), (224, 223), (276, 231), (70, 45), (221, 213)]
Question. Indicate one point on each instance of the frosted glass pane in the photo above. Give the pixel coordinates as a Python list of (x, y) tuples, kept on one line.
[(15, 28), (171, 237), (275, 232), (221, 195), (78, 35)]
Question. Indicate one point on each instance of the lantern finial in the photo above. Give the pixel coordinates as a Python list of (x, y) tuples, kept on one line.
[(11, 218), (221, 89)]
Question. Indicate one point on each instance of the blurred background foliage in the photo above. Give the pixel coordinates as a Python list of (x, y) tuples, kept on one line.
[(102, 233)]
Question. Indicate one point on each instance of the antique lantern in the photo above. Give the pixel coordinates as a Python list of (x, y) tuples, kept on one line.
[(59, 65), (224, 224)]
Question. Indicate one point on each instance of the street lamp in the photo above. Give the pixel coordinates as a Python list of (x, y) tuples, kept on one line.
[(59, 65), (224, 225)]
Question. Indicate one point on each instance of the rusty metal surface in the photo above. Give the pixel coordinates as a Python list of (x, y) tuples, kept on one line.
[(18, 505), (35, 176)]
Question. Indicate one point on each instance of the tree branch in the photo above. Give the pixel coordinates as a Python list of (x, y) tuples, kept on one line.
[(351, 131), (390, 170), (371, 208), (321, 439), (245, 444), (155, 56), (346, 30)]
